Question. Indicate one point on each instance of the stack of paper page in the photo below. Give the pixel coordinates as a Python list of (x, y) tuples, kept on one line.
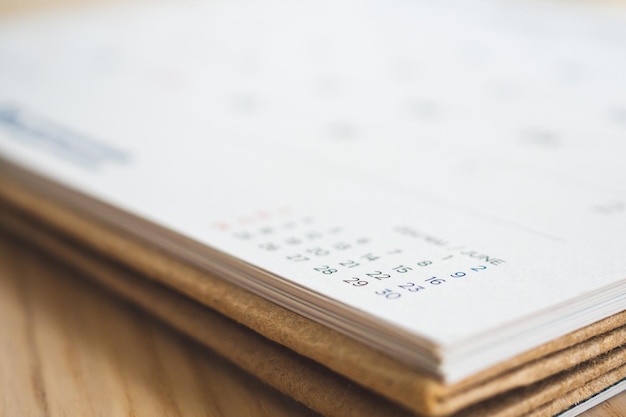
[(428, 200)]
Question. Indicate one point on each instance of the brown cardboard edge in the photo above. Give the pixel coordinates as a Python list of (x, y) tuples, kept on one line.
[(609, 367), (538, 369), (579, 395), (299, 377), (382, 374)]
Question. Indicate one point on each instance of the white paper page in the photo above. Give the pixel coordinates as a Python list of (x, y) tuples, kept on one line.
[(446, 169)]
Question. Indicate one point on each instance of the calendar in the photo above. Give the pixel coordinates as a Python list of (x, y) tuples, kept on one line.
[(431, 178)]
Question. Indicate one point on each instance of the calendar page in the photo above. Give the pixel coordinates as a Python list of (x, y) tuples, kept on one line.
[(430, 178)]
